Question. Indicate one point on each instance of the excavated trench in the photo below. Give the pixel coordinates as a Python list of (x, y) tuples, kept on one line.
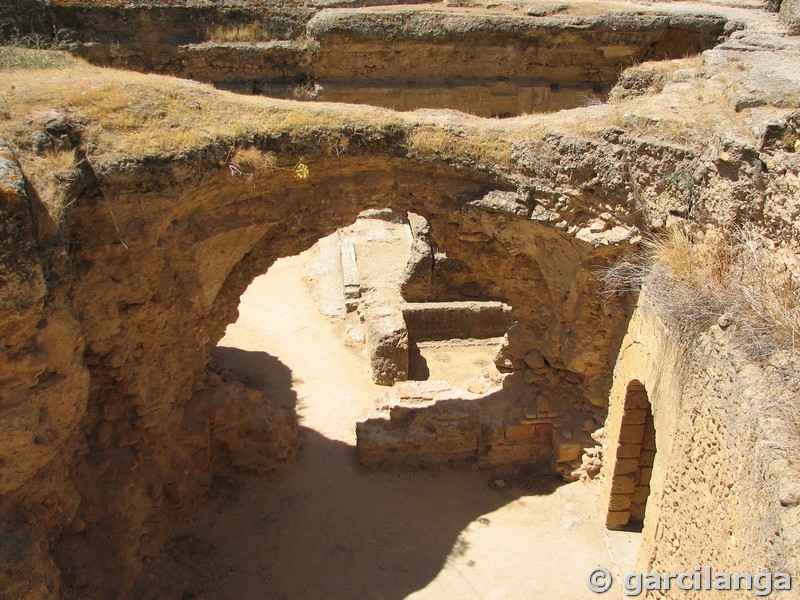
[(404, 58), (162, 428), (138, 423)]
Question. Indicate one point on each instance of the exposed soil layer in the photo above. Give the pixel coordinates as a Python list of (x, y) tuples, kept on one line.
[(493, 63)]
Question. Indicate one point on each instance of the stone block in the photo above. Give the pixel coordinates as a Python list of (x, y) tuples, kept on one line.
[(387, 344), (626, 466), (518, 341), (465, 444), (527, 434), (649, 439), (637, 512), (534, 359), (531, 377), (448, 320), (491, 434), (647, 458), (632, 433), (499, 201), (448, 430), (617, 519), (399, 412), (515, 454), (630, 450), (635, 416), (623, 484), (640, 494), (566, 450), (553, 377), (619, 502)]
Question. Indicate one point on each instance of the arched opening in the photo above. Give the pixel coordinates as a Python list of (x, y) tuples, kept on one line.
[(360, 530), (180, 292), (636, 451)]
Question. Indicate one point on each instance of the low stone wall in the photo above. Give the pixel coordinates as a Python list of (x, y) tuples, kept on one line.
[(427, 321), (429, 423), (387, 344)]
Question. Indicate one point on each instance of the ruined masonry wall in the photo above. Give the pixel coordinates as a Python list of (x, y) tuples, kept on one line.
[(704, 423)]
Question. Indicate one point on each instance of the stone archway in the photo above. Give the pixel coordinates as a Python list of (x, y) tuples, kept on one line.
[(162, 251), (636, 450)]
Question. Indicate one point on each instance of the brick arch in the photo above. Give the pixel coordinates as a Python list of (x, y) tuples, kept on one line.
[(636, 451)]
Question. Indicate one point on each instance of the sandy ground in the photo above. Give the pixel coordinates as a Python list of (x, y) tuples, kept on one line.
[(327, 528)]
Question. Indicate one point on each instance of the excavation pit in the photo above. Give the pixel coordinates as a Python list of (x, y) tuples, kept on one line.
[(139, 208), (491, 63)]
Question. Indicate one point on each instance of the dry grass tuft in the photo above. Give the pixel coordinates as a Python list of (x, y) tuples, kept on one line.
[(250, 32), (13, 57), (251, 162), (733, 278), (484, 147), (52, 175), (742, 283)]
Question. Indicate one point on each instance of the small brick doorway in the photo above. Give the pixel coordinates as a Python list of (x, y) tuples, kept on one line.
[(630, 485)]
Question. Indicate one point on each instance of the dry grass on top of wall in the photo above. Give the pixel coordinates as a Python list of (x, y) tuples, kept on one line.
[(730, 277), (248, 32), (738, 280), (128, 115)]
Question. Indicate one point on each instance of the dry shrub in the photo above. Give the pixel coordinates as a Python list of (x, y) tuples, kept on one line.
[(740, 281), (251, 161), (731, 277)]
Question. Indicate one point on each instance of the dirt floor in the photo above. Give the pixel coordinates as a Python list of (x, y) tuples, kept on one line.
[(328, 528)]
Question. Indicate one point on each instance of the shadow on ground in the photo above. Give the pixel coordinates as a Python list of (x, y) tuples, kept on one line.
[(417, 364), (327, 528), (259, 370)]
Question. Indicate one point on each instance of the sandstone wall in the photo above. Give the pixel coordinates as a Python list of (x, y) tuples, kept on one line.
[(44, 386), (790, 15), (27, 16), (708, 411)]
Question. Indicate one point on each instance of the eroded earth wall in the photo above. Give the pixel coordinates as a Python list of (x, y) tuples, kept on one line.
[(404, 58), (113, 425)]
